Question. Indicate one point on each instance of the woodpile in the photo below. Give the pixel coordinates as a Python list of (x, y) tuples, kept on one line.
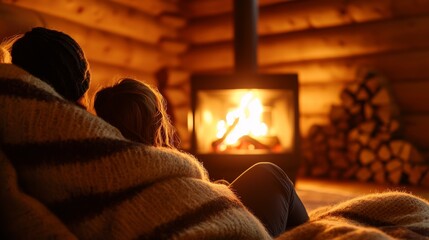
[(363, 139)]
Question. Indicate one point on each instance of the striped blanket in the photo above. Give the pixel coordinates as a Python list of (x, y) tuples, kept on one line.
[(66, 174), (378, 216), (78, 177)]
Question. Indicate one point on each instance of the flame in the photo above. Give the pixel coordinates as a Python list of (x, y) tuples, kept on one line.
[(246, 119)]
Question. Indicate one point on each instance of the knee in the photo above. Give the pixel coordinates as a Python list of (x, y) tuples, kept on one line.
[(268, 171), (265, 167)]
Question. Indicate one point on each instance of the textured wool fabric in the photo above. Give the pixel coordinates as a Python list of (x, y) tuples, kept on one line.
[(23, 217), (380, 216), (79, 177)]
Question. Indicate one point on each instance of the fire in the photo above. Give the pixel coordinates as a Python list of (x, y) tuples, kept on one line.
[(245, 120)]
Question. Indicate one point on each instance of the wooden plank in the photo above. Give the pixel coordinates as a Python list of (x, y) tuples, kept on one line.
[(289, 16), (173, 46), (14, 20), (396, 66), (318, 98), (208, 57), (103, 75), (416, 130), (113, 49), (209, 30), (345, 41), (181, 115), (184, 135), (173, 20), (412, 97), (151, 7), (104, 15), (177, 97), (177, 77), (200, 8)]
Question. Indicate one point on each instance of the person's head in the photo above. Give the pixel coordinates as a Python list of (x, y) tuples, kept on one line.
[(138, 111), (55, 58)]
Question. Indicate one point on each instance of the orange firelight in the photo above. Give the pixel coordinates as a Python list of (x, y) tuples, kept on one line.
[(243, 126), (246, 119)]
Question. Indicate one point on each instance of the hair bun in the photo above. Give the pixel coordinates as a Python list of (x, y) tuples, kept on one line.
[(55, 58)]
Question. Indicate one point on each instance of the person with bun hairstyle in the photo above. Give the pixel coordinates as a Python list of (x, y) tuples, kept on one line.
[(55, 58)]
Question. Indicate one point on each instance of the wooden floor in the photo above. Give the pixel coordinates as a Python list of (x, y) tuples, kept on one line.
[(316, 192)]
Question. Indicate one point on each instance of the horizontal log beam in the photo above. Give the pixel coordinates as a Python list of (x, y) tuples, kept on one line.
[(113, 49), (173, 46), (397, 66), (345, 41), (318, 98), (185, 139), (301, 15), (412, 97), (151, 7), (177, 78), (103, 15), (15, 20), (103, 75), (416, 130), (177, 97), (173, 20), (199, 8)]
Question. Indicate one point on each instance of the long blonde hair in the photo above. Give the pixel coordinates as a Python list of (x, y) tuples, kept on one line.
[(138, 111)]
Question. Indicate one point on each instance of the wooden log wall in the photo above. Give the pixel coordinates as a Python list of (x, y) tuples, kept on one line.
[(326, 42), (121, 38)]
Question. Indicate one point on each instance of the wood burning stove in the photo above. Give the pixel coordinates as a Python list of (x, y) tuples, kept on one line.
[(243, 118)]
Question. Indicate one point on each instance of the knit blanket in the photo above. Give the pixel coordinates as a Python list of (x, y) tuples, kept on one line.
[(66, 174), (378, 216)]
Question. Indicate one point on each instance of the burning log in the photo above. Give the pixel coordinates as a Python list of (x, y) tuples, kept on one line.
[(246, 142), (219, 141), (363, 140)]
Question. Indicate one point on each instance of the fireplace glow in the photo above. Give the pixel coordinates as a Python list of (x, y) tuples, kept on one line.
[(242, 118), (245, 120), (251, 121)]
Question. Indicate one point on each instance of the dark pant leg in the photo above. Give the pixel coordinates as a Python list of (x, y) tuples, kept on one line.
[(269, 194)]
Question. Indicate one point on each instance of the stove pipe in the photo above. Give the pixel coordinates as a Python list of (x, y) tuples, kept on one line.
[(245, 36)]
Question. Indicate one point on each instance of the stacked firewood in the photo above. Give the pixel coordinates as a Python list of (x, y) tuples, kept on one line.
[(363, 139)]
